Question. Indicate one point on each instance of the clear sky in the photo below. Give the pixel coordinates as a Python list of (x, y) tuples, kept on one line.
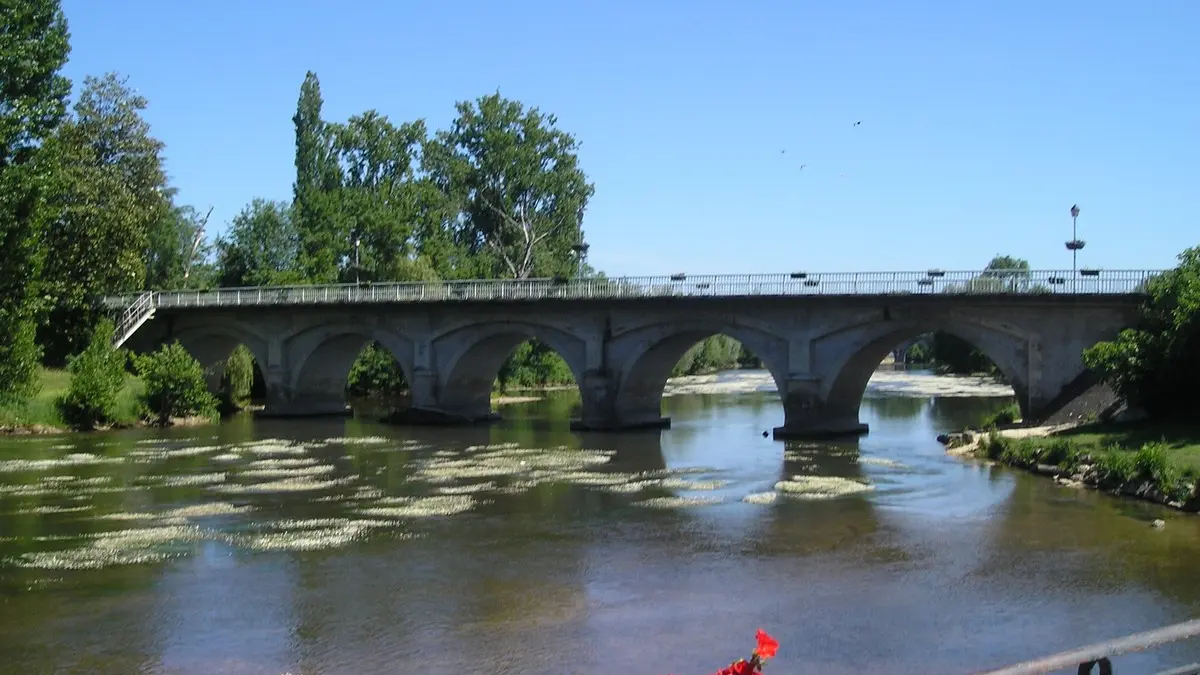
[(721, 136)]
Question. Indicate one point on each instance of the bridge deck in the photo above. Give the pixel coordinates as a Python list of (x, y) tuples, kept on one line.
[(992, 282)]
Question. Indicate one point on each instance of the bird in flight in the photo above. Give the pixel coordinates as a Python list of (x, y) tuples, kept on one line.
[(858, 123), (802, 166)]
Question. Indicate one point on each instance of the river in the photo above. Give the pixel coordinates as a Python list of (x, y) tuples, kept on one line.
[(344, 546)]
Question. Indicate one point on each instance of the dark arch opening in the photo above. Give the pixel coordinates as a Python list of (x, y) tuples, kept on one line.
[(692, 362), (350, 373), (497, 369), (232, 371), (376, 382), (903, 373)]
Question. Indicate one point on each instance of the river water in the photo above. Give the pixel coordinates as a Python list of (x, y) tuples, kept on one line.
[(343, 546)]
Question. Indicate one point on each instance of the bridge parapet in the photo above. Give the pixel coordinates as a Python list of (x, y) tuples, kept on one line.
[(986, 282)]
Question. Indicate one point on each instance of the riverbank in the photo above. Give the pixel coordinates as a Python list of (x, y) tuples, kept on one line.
[(1153, 462), (40, 414)]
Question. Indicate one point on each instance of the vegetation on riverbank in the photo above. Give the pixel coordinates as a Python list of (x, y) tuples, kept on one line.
[(1159, 463), (97, 391), (41, 411), (1154, 365)]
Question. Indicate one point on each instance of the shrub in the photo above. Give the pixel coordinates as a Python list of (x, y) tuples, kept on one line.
[(175, 385), (1116, 467), (97, 375), (995, 446), (1007, 415)]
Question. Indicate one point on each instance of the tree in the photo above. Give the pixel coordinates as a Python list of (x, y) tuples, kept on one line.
[(314, 191), (33, 48), (376, 374), (1155, 364), (237, 382), (108, 196), (97, 375), (261, 248), (178, 254), (378, 202), (517, 181), (175, 384)]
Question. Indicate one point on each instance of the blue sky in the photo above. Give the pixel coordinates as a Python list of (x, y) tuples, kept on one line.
[(983, 121)]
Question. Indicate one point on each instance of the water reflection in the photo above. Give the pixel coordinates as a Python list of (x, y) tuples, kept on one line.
[(344, 546)]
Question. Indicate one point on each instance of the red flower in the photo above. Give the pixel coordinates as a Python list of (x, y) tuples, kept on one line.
[(767, 645), (739, 667)]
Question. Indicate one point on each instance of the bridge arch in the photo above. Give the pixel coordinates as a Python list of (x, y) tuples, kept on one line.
[(211, 345), (649, 354), (470, 358), (852, 356), (321, 358)]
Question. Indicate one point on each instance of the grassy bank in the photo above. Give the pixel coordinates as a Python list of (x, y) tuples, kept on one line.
[(1156, 462), (41, 410)]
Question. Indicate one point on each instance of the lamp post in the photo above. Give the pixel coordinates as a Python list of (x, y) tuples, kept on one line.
[(357, 242), (1076, 244), (581, 250)]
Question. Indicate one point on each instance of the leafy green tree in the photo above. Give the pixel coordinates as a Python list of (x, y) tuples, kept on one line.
[(314, 192), (108, 196), (378, 200), (237, 382), (517, 181), (533, 364), (178, 252), (33, 48), (376, 374), (97, 375), (175, 384), (261, 248), (1155, 365)]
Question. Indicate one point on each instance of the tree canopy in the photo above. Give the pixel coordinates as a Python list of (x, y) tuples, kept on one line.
[(1155, 364)]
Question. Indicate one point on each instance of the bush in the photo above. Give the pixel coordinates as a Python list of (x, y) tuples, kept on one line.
[(175, 385), (238, 379), (97, 375), (375, 373), (1007, 415)]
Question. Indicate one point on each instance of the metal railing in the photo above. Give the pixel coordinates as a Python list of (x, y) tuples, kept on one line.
[(135, 314), (1098, 657), (992, 282)]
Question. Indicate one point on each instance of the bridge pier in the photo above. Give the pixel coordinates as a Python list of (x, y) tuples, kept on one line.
[(809, 415)]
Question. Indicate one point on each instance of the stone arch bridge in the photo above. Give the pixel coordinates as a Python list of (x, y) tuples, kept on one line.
[(621, 337)]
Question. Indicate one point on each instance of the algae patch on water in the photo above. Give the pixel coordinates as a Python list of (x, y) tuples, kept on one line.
[(821, 487), (421, 507), (677, 502)]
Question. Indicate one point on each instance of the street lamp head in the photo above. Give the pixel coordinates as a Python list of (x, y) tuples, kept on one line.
[(1075, 211)]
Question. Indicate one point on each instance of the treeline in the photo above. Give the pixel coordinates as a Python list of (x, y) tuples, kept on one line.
[(87, 210)]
